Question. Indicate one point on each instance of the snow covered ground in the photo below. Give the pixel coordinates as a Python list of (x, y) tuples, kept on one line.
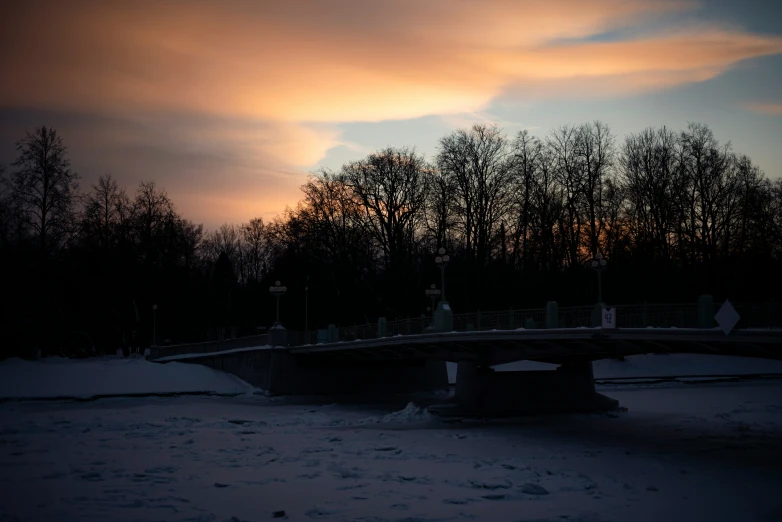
[(56, 377), (679, 453), (683, 453)]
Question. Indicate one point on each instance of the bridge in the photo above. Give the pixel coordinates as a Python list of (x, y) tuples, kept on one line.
[(409, 355)]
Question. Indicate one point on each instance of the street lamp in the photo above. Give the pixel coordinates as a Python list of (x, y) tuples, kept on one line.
[(432, 293), (306, 308), (277, 291), (599, 264), (442, 261), (154, 325)]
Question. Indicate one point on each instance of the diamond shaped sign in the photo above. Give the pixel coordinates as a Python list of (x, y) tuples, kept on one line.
[(727, 317)]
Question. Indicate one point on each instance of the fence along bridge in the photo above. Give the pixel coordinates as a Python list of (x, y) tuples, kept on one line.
[(409, 355)]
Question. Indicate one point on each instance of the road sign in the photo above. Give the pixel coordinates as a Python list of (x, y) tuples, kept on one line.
[(727, 317), (609, 317)]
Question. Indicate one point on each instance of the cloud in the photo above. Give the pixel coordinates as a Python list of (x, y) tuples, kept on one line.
[(773, 109), (216, 169), (261, 86), (311, 61)]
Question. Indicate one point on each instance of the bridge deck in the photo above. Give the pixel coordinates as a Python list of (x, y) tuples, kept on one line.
[(555, 345)]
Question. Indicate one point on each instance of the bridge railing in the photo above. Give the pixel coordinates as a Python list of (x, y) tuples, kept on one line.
[(679, 315), (758, 315), (657, 316)]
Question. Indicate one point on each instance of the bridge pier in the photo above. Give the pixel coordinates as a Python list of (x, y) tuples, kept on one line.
[(569, 388)]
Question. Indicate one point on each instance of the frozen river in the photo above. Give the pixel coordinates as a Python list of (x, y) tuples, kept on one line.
[(679, 453)]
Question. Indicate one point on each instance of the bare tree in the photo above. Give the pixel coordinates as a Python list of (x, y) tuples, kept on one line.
[(44, 187), (391, 188), (257, 249), (479, 162), (106, 209), (711, 184), (439, 215), (156, 222), (653, 182), (527, 156), (568, 172), (547, 213), (595, 153)]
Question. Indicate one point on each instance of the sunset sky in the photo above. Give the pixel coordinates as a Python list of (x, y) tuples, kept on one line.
[(228, 104)]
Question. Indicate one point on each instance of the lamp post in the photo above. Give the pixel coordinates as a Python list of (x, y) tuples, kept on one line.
[(442, 261), (277, 291), (154, 325), (306, 309), (599, 264), (432, 293)]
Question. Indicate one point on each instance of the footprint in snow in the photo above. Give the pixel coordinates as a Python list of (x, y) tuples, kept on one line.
[(533, 489), (318, 512), (161, 469), (499, 483)]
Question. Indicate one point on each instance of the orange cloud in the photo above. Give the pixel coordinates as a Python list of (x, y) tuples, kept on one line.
[(271, 80), (765, 108), (308, 61)]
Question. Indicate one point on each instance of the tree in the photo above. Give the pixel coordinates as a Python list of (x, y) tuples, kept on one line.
[(106, 209), (257, 249), (653, 182), (569, 175), (439, 216), (527, 155), (711, 184), (391, 187), (480, 163), (153, 211), (595, 150), (45, 188)]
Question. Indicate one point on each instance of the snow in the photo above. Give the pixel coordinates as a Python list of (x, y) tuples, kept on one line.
[(680, 453), (55, 377), (701, 452)]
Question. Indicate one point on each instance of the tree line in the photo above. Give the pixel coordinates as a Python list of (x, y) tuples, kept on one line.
[(676, 213)]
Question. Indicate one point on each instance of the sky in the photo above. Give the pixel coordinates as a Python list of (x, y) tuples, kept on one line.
[(228, 105)]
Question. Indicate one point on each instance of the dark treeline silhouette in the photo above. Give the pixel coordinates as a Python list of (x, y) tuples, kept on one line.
[(676, 213)]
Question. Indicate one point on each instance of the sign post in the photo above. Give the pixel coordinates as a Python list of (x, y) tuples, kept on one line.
[(609, 317)]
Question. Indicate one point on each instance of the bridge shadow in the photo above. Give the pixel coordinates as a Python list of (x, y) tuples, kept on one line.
[(739, 436)]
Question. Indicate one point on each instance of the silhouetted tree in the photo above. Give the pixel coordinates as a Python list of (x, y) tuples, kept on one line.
[(44, 187)]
